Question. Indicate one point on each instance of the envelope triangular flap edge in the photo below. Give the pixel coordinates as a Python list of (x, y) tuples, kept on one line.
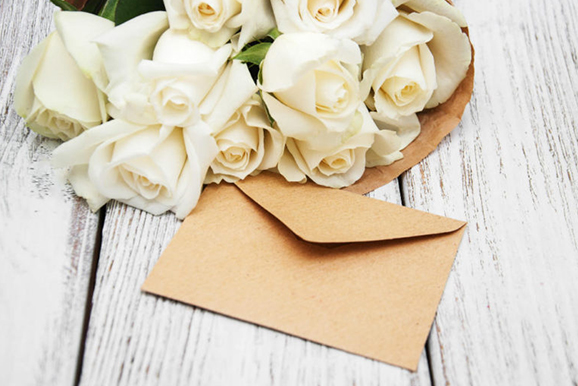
[(323, 215)]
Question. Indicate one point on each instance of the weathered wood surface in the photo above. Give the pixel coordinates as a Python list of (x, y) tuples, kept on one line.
[(47, 235), (509, 314)]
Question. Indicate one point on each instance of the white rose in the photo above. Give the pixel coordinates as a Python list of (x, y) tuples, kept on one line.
[(180, 75), (440, 7), (155, 168), (310, 86), (57, 88), (336, 167), (247, 143), (214, 22), (158, 78), (122, 50), (416, 63), (359, 20)]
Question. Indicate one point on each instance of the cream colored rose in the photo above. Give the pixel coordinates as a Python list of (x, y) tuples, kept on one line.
[(247, 143), (180, 75), (310, 86), (337, 166), (359, 20), (122, 50), (214, 22), (155, 168), (57, 88), (416, 63), (158, 75)]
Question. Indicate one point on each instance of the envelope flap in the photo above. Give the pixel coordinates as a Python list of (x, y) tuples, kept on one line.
[(323, 215)]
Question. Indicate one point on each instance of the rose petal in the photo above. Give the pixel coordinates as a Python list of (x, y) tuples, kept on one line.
[(60, 85), (385, 149), (293, 123), (452, 53), (288, 168), (347, 158), (399, 36), (327, 16), (381, 14), (24, 90), (201, 150), (407, 128), (177, 14), (249, 131), (334, 109), (287, 15), (83, 187), (126, 45), (233, 88), (439, 7), (176, 102), (176, 55), (360, 21), (414, 69), (178, 48), (249, 140), (292, 55), (157, 155), (78, 30), (77, 151), (212, 39), (255, 20), (302, 95), (274, 142)]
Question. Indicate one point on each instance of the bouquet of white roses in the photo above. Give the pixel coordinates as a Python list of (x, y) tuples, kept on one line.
[(155, 99)]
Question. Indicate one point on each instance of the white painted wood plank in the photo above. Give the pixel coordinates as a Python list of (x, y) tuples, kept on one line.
[(47, 235), (509, 315), (140, 339)]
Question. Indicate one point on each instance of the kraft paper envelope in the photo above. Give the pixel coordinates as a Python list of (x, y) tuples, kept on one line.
[(326, 265)]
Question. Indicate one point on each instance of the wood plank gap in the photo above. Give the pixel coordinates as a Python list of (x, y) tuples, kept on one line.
[(429, 359), (399, 181), (89, 294)]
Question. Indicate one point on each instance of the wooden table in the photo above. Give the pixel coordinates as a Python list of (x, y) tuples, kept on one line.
[(71, 311)]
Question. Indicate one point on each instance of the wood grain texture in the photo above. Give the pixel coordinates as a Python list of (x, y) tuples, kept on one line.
[(47, 235), (509, 315), (140, 339)]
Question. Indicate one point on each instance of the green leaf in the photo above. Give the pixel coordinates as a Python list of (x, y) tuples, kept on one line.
[(274, 33), (128, 9), (93, 6), (254, 54), (260, 75), (64, 5), (109, 9), (269, 116)]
